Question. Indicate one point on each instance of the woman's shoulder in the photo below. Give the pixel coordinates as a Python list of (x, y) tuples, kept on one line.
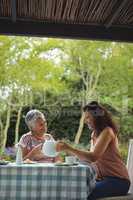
[(109, 131), (26, 135), (25, 139)]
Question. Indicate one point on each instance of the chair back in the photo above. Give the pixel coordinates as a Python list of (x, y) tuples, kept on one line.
[(130, 164)]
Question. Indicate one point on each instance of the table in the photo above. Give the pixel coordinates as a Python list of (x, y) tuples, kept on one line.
[(46, 181)]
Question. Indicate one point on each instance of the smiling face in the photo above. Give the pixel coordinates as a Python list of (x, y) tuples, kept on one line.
[(89, 120), (40, 126)]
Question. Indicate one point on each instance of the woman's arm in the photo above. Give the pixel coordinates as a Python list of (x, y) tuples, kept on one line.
[(34, 154), (90, 156)]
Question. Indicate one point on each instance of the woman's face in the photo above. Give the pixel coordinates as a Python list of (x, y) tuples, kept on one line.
[(89, 120), (40, 126)]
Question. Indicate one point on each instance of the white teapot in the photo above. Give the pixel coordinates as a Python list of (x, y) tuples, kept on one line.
[(49, 148)]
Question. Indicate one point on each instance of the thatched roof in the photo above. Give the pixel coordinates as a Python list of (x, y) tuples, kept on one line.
[(92, 19)]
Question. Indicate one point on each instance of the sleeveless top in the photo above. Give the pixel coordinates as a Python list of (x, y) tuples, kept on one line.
[(29, 141), (110, 163)]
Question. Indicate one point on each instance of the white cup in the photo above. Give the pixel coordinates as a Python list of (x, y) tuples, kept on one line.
[(70, 159)]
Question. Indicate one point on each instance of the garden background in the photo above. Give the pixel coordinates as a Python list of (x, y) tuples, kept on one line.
[(59, 77)]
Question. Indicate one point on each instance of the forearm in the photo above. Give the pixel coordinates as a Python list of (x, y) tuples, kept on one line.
[(82, 155), (29, 155)]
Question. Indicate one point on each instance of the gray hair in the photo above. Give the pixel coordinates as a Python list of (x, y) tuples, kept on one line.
[(32, 116)]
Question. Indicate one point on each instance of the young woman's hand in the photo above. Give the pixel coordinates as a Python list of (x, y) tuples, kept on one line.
[(62, 146)]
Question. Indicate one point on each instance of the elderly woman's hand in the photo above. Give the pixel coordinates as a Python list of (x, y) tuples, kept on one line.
[(62, 146), (36, 152)]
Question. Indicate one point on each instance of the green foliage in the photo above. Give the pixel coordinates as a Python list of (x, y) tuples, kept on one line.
[(57, 76), (124, 151), (7, 158), (126, 128)]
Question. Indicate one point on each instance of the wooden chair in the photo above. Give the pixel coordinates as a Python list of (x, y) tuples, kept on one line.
[(129, 196)]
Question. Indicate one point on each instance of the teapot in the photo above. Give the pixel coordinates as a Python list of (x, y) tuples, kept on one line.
[(49, 148)]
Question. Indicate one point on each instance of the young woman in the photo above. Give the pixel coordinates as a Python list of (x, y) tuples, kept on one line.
[(31, 142), (112, 175)]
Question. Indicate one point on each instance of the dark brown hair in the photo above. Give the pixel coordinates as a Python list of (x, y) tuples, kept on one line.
[(101, 117)]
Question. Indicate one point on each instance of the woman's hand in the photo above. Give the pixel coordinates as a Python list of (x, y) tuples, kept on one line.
[(37, 149), (35, 153), (62, 146)]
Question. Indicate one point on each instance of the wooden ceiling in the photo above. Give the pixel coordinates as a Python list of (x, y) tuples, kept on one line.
[(83, 19)]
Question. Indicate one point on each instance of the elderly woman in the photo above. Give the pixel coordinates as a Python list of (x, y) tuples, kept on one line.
[(31, 142)]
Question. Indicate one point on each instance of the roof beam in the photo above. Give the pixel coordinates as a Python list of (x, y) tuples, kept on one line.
[(13, 10), (72, 31), (116, 13)]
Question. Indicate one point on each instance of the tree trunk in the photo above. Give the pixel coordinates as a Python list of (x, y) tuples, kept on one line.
[(4, 135), (1, 135), (89, 92), (79, 132), (17, 124)]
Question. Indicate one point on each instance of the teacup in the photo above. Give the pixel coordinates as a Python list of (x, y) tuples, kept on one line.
[(70, 159)]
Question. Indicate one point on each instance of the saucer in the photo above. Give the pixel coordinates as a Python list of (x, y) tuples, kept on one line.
[(3, 162)]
